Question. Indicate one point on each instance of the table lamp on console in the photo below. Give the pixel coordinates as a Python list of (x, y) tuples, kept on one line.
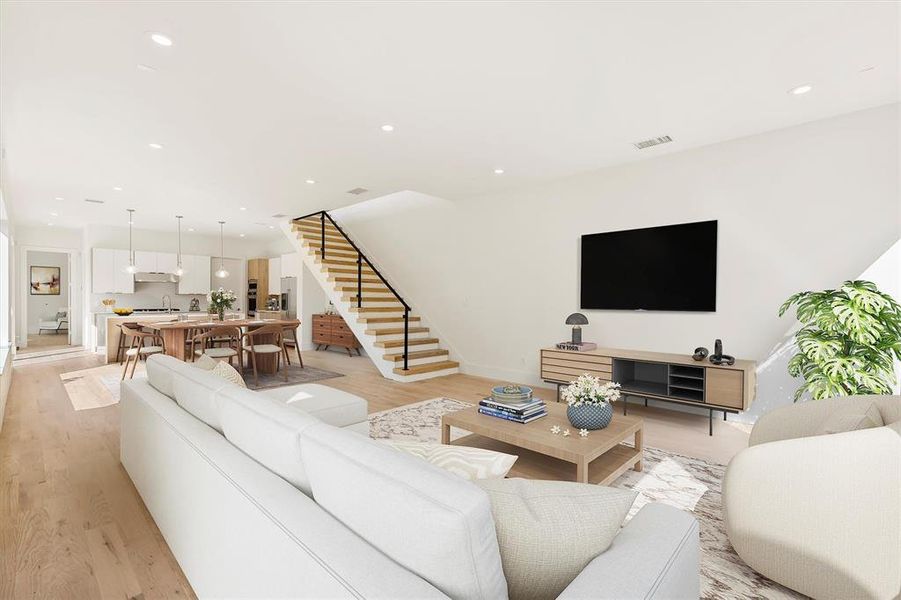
[(577, 320)]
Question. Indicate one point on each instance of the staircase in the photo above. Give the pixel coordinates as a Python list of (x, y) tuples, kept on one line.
[(383, 322)]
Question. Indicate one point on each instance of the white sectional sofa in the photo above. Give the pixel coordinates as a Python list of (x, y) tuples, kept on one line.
[(229, 476)]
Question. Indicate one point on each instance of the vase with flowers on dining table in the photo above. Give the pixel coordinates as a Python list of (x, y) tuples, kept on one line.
[(221, 300)]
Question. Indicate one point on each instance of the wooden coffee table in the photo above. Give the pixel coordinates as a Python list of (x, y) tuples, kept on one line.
[(599, 458)]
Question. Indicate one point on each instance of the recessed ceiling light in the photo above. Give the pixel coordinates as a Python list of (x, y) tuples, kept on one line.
[(801, 89), (59, 198), (387, 127), (272, 227), (240, 235), (117, 189), (311, 181), (155, 146), (243, 208), (867, 68), (498, 171), (161, 39), (53, 214), (190, 229), (49, 224), (143, 67)]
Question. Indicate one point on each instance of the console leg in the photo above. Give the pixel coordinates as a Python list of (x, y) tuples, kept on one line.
[(711, 422), (625, 405), (725, 414), (645, 401)]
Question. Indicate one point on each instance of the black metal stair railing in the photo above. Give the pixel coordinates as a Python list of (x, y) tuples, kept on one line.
[(361, 258)]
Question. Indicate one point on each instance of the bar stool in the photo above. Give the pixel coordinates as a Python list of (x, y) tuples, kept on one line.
[(123, 346), (142, 345)]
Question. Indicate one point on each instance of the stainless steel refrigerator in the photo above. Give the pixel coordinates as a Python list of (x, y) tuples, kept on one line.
[(289, 296)]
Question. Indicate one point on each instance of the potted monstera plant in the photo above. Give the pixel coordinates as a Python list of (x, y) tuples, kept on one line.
[(848, 341)]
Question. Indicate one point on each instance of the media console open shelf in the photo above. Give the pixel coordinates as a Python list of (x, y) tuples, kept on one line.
[(658, 376)]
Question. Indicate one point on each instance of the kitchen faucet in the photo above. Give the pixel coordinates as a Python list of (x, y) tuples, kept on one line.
[(168, 308)]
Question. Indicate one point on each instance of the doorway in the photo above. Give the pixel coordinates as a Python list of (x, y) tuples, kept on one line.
[(47, 304)]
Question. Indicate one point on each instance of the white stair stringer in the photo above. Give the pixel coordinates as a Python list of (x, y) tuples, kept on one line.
[(367, 341)]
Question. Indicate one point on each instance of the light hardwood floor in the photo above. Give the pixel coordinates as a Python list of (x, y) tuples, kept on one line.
[(73, 526)]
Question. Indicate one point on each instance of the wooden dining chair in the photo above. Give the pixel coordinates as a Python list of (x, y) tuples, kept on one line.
[(210, 342), (141, 345), (290, 339), (268, 339), (123, 341)]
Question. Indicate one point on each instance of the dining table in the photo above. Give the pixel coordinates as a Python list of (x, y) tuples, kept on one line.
[(175, 335)]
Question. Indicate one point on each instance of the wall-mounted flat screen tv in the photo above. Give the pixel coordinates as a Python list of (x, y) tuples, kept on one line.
[(658, 268)]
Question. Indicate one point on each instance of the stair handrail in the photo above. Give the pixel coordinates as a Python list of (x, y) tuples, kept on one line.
[(323, 215)]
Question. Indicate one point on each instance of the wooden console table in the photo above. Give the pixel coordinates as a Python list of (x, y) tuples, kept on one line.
[(658, 376), (331, 330)]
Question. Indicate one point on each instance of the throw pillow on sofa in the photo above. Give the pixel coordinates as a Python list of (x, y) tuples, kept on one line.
[(469, 463), (228, 373), (852, 418), (205, 362), (548, 531)]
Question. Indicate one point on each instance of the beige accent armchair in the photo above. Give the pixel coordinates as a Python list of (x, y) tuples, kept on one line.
[(820, 513)]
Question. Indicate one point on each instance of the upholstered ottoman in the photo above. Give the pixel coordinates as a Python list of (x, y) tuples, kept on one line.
[(327, 404)]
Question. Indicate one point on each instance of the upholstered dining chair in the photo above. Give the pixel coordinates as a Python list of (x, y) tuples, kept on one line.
[(221, 341), (290, 340), (268, 339), (141, 344)]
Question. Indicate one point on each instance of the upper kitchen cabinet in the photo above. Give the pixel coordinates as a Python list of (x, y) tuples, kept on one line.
[(196, 279), (155, 262), (109, 274), (291, 265), (275, 275)]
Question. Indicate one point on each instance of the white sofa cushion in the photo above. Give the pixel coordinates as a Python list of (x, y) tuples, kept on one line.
[(430, 521), (327, 404), (195, 390), (549, 531), (463, 461), (268, 431), (852, 418), (160, 372)]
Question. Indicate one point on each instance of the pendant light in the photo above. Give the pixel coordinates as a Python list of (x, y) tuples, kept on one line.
[(131, 268), (179, 269), (221, 273)]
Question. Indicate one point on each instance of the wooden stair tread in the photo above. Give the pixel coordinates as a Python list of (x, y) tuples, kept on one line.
[(365, 288), (412, 342), (417, 354), (427, 368), (347, 278), (330, 251), (396, 331), (388, 309), (365, 319)]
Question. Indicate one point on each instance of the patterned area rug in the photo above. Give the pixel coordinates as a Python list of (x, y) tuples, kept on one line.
[(687, 483)]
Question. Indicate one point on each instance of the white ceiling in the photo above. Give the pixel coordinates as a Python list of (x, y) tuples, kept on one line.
[(253, 99)]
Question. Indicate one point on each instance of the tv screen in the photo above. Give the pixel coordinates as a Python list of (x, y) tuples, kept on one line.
[(658, 268)]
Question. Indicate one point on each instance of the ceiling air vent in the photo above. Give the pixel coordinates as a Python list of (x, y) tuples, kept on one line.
[(664, 139), (357, 191), (279, 216), (92, 201)]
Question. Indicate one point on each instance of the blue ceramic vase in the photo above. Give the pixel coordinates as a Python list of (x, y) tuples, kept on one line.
[(590, 416)]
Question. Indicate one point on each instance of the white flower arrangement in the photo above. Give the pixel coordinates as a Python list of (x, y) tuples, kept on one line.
[(221, 299), (589, 390)]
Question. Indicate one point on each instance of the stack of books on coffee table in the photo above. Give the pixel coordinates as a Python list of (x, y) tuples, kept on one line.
[(513, 403)]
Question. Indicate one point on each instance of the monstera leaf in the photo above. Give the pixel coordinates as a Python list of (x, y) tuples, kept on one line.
[(848, 342)]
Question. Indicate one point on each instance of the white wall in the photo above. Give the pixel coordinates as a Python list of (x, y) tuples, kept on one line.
[(45, 308), (310, 300), (799, 208)]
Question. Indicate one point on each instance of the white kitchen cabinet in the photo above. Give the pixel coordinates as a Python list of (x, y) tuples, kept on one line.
[(291, 265), (196, 279), (275, 275), (124, 281), (103, 265), (108, 274), (155, 262), (145, 262), (166, 262)]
